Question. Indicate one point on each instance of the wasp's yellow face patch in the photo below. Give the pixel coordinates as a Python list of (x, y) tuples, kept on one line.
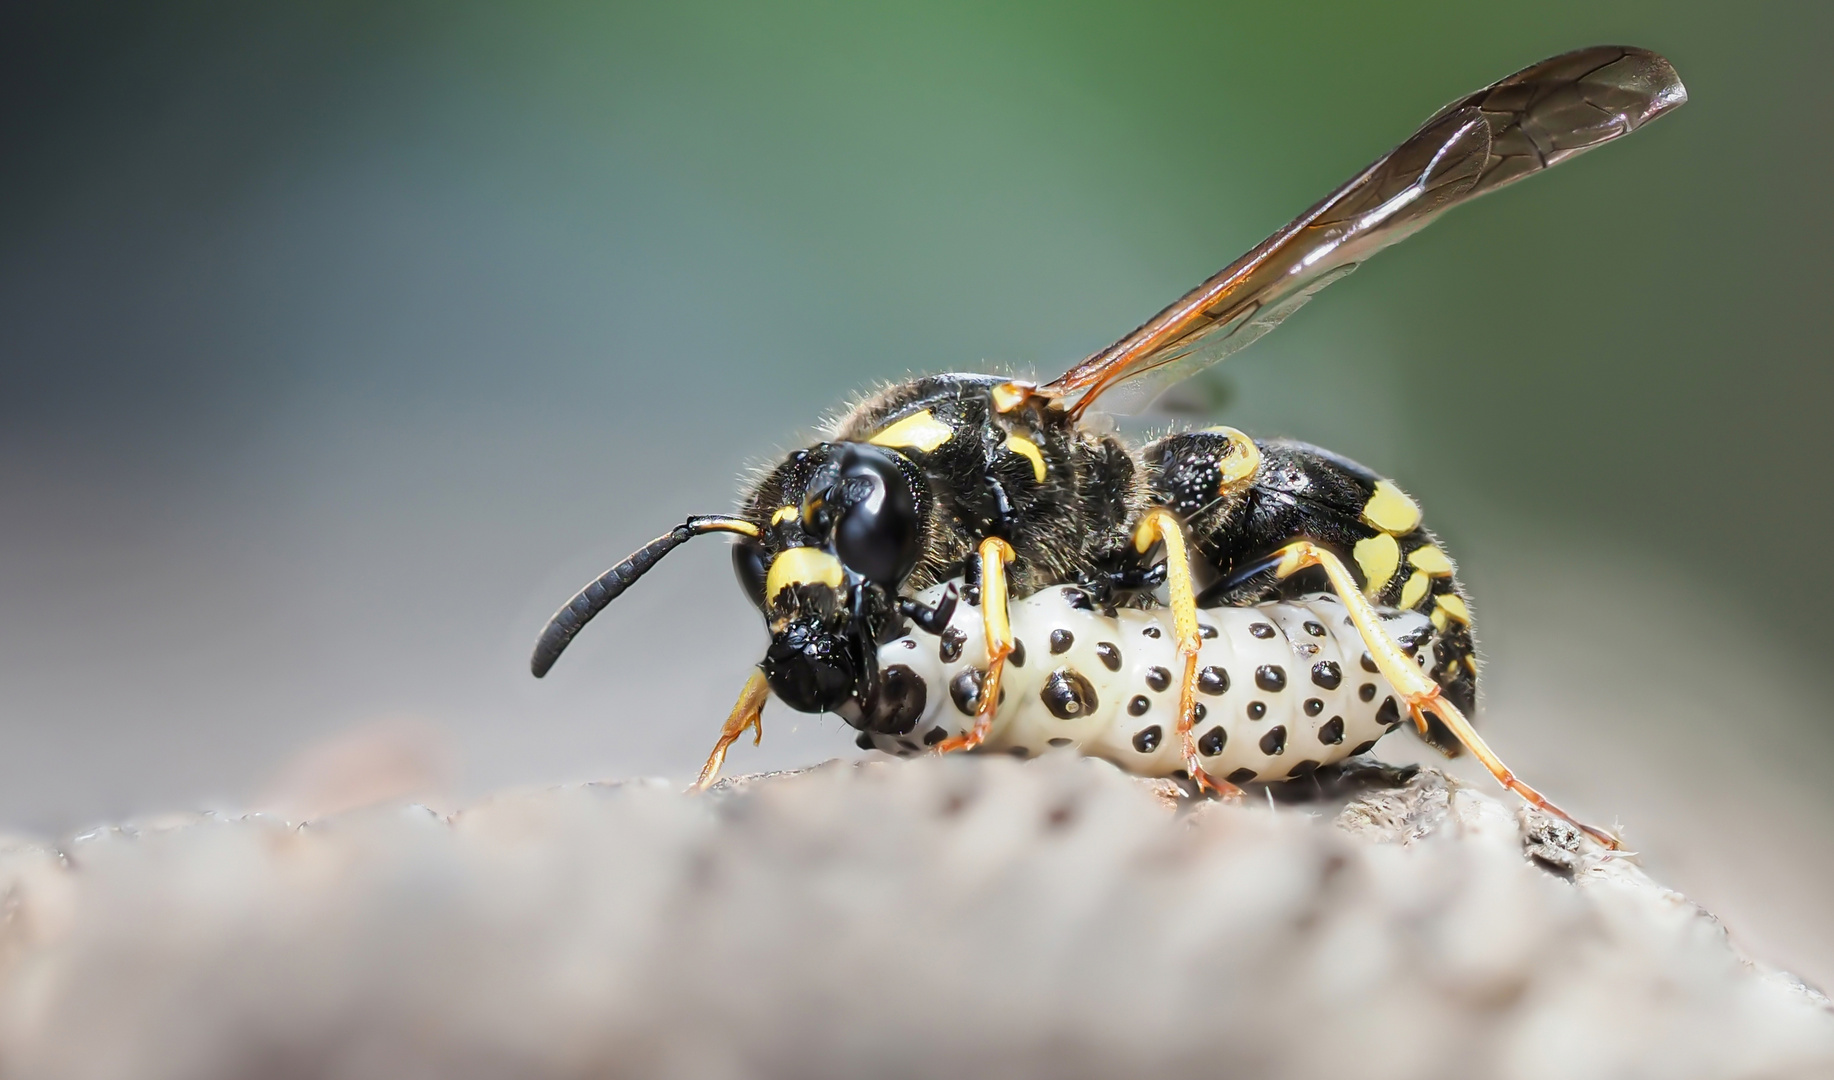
[(802, 566)]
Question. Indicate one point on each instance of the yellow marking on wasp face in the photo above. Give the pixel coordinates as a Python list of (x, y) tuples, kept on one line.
[(1390, 510), (1453, 605), (1432, 560), (1438, 619), (1416, 588), (802, 566), (1008, 396), (918, 431), (1239, 463), (1378, 557), (784, 513), (1025, 447)]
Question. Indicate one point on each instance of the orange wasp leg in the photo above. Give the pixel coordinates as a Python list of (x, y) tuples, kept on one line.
[(1161, 525), (1421, 693), (995, 554), (747, 713)]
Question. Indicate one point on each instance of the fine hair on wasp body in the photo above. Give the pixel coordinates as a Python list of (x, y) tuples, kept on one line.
[(977, 490)]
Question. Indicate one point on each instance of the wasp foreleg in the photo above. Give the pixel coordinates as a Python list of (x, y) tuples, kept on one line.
[(748, 712), (994, 554), (1160, 525), (1421, 693)]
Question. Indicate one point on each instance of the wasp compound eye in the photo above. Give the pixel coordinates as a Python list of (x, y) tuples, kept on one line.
[(876, 534), (808, 670), (748, 566)]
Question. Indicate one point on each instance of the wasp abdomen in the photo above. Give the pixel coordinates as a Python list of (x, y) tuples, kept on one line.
[(1282, 688)]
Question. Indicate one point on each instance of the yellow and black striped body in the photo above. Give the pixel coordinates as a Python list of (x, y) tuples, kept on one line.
[(1299, 491)]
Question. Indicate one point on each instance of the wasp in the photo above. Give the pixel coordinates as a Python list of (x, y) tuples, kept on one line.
[(958, 506)]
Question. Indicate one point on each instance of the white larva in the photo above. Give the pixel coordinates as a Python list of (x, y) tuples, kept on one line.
[(1285, 689)]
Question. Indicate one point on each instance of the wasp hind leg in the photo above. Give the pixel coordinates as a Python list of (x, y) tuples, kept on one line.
[(1422, 694), (748, 712), (994, 554), (1160, 525)]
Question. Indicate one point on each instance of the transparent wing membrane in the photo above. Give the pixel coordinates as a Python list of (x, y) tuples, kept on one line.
[(1531, 121)]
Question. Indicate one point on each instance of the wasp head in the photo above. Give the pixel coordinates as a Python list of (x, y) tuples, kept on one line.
[(845, 531)]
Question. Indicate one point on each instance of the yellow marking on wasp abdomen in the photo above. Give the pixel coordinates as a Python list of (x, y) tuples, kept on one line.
[(1416, 589), (1390, 510), (1026, 448), (802, 566), (1454, 606), (1432, 560), (1378, 557), (918, 431)]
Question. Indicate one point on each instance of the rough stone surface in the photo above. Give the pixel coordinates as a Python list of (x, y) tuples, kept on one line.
[(937, 917)]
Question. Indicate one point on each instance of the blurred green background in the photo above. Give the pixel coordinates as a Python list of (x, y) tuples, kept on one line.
[(340, 342)]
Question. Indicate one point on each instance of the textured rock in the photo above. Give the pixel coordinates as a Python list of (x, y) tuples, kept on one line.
[(938, 917)]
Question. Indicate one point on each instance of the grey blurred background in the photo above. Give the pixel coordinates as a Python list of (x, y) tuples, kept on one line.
[(341, 342)]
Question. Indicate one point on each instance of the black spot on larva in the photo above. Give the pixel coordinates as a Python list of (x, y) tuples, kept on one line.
[(1363, 748), (863, 741), (1389, 713), (908, 643), (1151, 631), (1158, 678), (1061, 640), (1313, 706), (1304, 767), (1108, 655), (1061, 742), (1213, 742), (1261, 629), (1068, 695), (1205, 630), (1271, 678), (902, 752), (1274, 742), (1146, 740), (1327, 674), (1180, 774), (1331, 732), (1078, 599), (1213, 680), (952, 641), (1369, 664), (1256, 710), (1017, 657), (1243, 775), (901, 700), (1366, 691), (1019, 751), (1198, 712), (907, 746), (965, 691), (1139, 705), (1315, 629), (935, 736)]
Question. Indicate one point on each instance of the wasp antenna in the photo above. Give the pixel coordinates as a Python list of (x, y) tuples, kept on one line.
[(592, 599)]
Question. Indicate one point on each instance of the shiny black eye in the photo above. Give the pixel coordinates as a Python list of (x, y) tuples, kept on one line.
[(876, 532), (748, 566)]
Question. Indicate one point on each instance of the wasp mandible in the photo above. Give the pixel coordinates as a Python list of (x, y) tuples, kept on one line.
[(964, 507)]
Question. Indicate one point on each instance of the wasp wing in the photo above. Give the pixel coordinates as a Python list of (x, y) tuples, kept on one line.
[(1533, 120)]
